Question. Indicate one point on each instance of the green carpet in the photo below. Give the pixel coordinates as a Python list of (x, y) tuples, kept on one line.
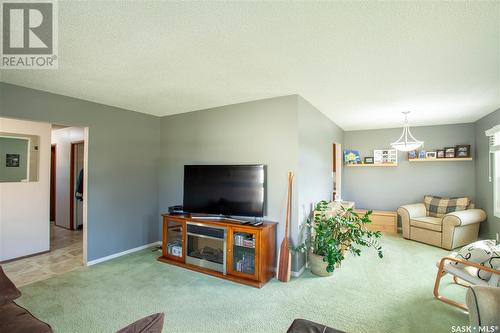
[(365, 295)]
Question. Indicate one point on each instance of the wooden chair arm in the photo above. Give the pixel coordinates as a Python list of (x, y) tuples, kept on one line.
[(468, 263)]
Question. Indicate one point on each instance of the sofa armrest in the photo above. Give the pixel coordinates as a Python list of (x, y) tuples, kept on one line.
[(408, 212), (464, 217), (484, 305)]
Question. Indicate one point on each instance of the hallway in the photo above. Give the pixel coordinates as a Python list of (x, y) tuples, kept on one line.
[(65, 255)]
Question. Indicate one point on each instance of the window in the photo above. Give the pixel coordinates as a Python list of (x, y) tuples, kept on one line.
[(494, 175)]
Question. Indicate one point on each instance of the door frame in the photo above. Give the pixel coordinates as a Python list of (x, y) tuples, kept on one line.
[(53, 183), (337, 170), (72, 182)]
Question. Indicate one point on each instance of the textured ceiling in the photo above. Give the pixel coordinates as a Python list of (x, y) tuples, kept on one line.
[(360, 63)]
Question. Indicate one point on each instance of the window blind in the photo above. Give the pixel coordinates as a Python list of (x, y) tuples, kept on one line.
[(493, 135)]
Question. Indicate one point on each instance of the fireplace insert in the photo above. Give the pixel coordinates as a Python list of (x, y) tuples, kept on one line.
[(206, 246)]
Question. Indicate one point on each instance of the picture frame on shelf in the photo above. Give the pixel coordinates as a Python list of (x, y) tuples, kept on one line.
[(462, 151), (422, 153), (412, 154), (440, 153), (368, 160), (352, 156), (383, 156), (449, 152), (431, 154)]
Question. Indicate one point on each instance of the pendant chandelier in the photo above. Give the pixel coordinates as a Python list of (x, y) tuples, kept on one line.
[(406, 141)]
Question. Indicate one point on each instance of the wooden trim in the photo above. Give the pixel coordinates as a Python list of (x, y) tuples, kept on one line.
[(72, 187), (182, 225), (72, 184), (334, 166), (264, 257), (230, 255), (441, 272), (449, 159), (247, 282), (372, 165)]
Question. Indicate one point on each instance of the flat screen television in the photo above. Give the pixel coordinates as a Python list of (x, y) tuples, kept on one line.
[(237, 190)]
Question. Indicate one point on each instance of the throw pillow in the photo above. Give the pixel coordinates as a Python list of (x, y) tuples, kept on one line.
[(439, 207), (493, 262), (8, 291)]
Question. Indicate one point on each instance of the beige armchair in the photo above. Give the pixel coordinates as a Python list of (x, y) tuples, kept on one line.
[(449, 232)]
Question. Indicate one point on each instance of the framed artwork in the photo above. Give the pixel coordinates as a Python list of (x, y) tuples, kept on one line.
[(431, 154), (449, 152), (368, 160), (352, 156), (462, 151), (422, 153), (12, 160), (440, 153), (412, 154), (381, 156)]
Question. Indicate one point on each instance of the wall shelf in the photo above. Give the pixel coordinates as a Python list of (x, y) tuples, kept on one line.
[(372, 165), (440, 159)]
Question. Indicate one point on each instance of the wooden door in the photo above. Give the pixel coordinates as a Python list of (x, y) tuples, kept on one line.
[(243, 253), (174, 239), (53, 183)]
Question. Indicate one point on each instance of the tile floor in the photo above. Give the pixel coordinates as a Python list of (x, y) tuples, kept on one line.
[(66, 254)]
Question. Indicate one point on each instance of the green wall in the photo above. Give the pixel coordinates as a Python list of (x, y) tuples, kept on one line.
[(13, 146)]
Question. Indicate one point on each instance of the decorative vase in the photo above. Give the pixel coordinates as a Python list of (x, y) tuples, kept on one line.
[(318, 266)]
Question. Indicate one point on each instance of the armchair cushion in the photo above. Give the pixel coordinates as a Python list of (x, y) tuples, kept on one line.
[(439, 207), (427, 222)]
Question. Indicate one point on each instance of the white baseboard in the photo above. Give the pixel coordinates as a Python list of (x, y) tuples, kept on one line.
[(116, 255), (299, 273)]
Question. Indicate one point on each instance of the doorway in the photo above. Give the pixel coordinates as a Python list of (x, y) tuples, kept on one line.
[(76, 185), (66, 244), (53, 183)]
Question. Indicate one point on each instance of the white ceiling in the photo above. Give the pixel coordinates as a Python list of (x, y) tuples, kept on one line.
[(360, 63)]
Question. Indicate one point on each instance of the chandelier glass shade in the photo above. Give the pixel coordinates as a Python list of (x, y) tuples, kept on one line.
[(406, 141)]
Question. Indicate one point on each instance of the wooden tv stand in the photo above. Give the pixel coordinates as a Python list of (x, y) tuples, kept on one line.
[(221, 248)]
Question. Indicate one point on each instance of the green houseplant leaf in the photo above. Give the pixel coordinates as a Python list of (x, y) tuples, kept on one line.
[(332, 236)]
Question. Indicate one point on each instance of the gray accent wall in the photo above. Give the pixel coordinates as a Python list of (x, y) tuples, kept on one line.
[(258, 132), (316, 136), (284, 133), (484, 189), (123, 164), (387, 188)]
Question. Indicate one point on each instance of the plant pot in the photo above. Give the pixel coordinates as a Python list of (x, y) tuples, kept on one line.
[(318, 266)]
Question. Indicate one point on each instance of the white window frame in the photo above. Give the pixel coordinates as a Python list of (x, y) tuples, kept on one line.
[(494, 175)]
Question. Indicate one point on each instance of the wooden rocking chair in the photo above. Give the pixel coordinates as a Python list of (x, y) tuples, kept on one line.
[(465, 273)]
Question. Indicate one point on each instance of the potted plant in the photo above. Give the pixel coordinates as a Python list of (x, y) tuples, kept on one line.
[(332, 235)]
